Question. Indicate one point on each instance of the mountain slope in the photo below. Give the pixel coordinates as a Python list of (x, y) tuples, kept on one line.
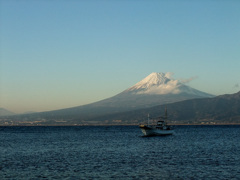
[(5, 112), (220, 109)]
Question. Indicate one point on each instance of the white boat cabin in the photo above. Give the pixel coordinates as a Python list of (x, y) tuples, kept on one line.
[(162, 125)]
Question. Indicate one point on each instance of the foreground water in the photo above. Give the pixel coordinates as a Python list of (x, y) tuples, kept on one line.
[(119, 152)]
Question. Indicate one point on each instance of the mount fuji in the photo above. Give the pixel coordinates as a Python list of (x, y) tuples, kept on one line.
[(155, 89)]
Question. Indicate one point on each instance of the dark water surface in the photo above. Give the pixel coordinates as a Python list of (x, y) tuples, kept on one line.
[(119, 152)]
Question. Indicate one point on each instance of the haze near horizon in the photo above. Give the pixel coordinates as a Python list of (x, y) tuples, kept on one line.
[(60, 54)]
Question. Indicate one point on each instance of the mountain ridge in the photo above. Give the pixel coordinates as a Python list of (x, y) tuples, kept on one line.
[(223, 109)]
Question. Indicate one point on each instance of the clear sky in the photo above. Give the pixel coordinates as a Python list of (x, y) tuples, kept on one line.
[(63, 53)]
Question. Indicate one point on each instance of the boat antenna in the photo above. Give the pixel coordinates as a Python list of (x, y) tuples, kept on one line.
[(148, 119), (166, 112)]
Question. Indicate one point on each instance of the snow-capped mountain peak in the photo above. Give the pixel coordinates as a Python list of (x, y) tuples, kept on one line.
[(156, 83), (153, 79), (163, 84)]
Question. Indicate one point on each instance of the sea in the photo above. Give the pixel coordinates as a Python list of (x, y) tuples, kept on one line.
[(119, 152)]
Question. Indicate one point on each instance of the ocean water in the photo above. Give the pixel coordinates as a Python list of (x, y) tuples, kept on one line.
[(119, 152)]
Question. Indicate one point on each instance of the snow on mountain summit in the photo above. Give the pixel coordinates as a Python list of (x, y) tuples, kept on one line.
[(162, 84), (153, 79), (156, 83)]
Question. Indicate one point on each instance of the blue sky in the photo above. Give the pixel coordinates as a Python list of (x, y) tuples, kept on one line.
[(58, 53)]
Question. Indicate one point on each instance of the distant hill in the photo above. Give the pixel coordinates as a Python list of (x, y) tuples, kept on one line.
[(221, 109), (5, 112), (29, 112)]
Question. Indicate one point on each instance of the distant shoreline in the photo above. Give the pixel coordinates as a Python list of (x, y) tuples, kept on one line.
[(222, 124)]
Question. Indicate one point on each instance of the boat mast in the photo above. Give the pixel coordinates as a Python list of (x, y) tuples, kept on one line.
[(148, 119), (165, 112)]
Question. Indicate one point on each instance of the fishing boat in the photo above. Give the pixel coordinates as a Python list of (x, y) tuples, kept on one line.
[(160, 129)]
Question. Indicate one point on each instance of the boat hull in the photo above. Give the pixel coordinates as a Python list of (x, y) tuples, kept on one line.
[(148, 131)]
